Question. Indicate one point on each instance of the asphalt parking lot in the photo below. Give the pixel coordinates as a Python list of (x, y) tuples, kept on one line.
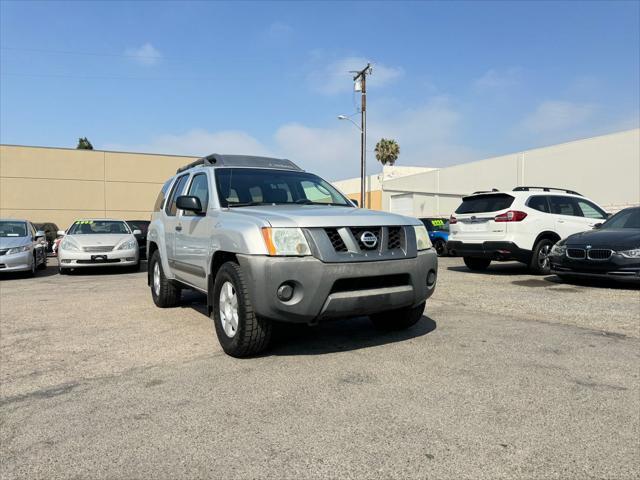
[(506, 376)]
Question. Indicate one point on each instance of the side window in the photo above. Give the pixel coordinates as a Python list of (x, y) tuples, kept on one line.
[(591, 210), (170, 207), (539, 202), (565, 206), (161, 196), (32, 230), (199, 188)]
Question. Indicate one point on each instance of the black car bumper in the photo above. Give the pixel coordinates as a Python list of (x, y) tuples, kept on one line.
[(616, 268), (490, 250)]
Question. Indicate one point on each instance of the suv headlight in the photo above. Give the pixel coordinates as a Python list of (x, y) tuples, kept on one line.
[(128, 245), (422, 237), (285, 241), (68, 244), (23, 248), (558, 250), (633, 253)]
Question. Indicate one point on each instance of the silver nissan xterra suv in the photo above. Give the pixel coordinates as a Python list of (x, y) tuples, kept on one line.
[(268, 241)]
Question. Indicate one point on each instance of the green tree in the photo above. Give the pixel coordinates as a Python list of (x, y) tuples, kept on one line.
[(387, 151), (84, 144)]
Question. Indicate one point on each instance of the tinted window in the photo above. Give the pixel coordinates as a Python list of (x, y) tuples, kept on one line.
[(245, 186), (540, 203), (161, 196), (176, 192), (89, 227), (485, 203), (565, 206), (591, 210), (142, 225), (13, 229), (199, 188), (629, 218)]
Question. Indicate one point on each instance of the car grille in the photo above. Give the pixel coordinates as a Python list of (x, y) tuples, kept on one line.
[(599, 254), (336, 239), (357, 234), (394, 240), (577, 253), (105, 248)]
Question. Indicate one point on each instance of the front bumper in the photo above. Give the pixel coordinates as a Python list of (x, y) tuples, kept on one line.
[(114, 258), (17, 262), (336, 290), (490, 250), (616, 268)]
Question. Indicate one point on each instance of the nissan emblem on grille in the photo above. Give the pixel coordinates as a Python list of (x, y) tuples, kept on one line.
[(368, 239)]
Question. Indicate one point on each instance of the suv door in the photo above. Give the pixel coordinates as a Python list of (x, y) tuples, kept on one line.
[(194, 237), (569, 217), (171, 218)]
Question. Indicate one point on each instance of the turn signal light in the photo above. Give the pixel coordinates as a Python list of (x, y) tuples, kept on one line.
[(511, 216)]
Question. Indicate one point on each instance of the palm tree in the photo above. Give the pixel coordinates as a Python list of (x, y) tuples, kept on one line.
[(387, 151)]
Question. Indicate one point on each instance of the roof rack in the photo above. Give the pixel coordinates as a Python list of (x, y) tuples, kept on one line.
[(545, 189), (485, 191), (218, 160)]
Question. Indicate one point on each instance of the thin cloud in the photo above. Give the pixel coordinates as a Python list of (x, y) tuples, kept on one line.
[(279, 31), (498, 78), (557, 116), (146, 55)]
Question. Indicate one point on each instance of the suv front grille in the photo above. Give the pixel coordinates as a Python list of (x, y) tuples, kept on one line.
[(336, 239), (394, 239), (368, 283), (358, 233), (598, 254)]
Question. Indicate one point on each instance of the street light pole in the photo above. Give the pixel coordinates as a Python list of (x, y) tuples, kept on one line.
[(361, 77)]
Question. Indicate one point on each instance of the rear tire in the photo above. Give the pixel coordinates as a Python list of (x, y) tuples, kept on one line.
[(540, 263), (477, 264), (165, 293), (241, 332), (399, 319)]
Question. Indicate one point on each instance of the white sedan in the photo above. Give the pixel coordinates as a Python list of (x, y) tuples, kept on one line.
[(98, 243)]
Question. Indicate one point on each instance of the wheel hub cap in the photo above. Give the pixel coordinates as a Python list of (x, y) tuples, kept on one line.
[(228, 306), (543, 258), (156, 279)]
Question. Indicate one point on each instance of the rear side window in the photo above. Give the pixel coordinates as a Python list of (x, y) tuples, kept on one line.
[(485, 203), (539, 202), (161, 196), (171, 208), (565, 206)]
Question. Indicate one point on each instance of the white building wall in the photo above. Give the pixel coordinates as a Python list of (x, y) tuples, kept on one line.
[(605, 169)]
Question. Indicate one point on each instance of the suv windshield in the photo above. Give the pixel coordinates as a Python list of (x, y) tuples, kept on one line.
[(485, 203), (625, 219), (88, 227), (13, 229), (239, 187)]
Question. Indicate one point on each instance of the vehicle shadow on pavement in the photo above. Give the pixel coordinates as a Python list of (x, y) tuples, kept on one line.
[(93, 271), (340, 336), (595, 283), (48, 272), (507, 268)]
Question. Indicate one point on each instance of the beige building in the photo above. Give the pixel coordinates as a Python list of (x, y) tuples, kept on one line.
[(604, 168), (60, 185)]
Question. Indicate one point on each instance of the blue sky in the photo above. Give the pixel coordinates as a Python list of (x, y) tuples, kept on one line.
[(452, 81)]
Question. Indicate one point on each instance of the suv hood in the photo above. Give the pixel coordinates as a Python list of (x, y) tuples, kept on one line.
[(96, 239), (10, 242), (618, 239), (323, 216)]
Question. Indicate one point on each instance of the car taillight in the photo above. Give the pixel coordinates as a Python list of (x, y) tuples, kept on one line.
[(452, 220), (510, 216)]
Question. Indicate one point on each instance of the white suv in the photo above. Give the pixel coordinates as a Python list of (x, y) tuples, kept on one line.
[(520, 225)]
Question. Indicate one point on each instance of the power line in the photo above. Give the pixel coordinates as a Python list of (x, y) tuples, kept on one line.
[(98, 77), (96, 54)]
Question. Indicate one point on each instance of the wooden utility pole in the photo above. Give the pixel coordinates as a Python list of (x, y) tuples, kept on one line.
[(361, 77)]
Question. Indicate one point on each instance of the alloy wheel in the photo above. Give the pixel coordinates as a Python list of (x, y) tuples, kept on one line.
[(156, 279), (228, 306)]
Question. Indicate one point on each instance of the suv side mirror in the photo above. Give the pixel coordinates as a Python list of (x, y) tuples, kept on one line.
[(355, 202), (597, 226), (189, 203), (40, 234)]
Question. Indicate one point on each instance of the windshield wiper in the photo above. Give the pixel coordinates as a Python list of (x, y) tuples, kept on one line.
[(244, 204), (304, 201)]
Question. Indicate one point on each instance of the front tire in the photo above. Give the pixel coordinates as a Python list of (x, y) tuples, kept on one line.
[(241, 332), (399, 319), (165, 294), (540, 263), (477, 264)]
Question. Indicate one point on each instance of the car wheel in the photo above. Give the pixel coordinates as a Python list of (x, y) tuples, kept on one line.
[(165, 293), (43, 265), (477, 264), (540, 263), (399, 319), (34, 265), (240, 330), (441, 248)]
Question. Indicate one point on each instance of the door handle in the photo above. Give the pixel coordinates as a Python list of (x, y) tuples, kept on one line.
[(178, 228)]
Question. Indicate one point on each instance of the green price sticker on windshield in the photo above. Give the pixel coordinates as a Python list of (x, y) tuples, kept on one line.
[(437, 223)]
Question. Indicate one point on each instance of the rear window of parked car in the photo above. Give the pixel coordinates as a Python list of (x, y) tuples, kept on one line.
[(485, 203)]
